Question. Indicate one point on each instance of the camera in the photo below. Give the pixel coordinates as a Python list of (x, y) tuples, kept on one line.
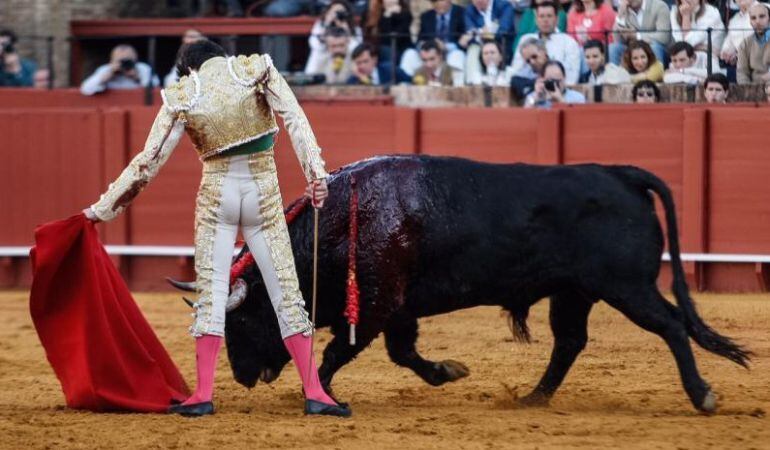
[(8, 48), (342, 16), (127, 64), (551, 85)]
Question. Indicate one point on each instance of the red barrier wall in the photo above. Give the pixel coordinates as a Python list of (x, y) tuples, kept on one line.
[(59, 160)]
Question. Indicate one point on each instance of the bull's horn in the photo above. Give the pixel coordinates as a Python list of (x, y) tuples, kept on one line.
[(237, 295), (189, 286), (189, 302)]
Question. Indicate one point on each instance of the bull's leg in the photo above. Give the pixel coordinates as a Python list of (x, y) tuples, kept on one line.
[(569, 321), (400, 338), (651, 311), (339, 352)]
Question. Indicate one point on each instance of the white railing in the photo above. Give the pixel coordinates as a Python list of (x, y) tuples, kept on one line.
[(172, 250)]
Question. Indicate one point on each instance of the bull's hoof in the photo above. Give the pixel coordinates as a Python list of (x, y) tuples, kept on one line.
[(709, 403), (533, 400), (451, 370)]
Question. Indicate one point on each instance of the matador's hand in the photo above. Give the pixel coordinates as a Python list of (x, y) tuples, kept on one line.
[(89, 213), (317, 191)]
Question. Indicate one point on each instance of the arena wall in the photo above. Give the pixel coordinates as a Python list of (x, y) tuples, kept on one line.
[(59, 159)]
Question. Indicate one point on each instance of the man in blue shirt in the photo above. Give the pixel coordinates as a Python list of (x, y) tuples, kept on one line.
[(15, 71), (490, 19)]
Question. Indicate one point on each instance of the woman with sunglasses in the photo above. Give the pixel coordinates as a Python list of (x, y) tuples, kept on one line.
[(645, 91)]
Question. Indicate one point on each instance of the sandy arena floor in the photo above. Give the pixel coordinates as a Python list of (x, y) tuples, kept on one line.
[(623, 391)]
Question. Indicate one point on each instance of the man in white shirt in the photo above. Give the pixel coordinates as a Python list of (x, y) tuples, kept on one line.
[(641, 20), (122, 72), (686, 66), (561, 47)]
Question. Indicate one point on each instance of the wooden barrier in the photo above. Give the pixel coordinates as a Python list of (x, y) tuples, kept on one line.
[(714, 159)]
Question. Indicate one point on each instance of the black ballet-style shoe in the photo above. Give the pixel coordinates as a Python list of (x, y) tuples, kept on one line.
[(194, 410), (313, 407)]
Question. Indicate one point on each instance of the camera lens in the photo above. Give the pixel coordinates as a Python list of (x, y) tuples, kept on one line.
[(127, 64)]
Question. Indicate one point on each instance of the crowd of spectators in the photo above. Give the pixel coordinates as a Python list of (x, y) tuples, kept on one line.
[(513, 43), (537, 47)]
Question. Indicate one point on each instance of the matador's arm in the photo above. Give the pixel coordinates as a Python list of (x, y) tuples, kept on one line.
[(163, 138)]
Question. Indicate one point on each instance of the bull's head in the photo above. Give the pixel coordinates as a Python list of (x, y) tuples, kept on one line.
[(254, 345)]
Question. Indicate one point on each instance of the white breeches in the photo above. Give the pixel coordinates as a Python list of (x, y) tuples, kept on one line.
[(243, 190)]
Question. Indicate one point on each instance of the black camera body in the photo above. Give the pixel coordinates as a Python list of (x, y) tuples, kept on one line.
[(8, 48), (127, 64), (342, 15), (551, 85)]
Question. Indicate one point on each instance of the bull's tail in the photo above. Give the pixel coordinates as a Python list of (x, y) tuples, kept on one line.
[(704, 335)]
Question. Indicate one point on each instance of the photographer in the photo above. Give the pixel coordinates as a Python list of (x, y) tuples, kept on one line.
[(124, 71), (339, 14), (550, 88), (15, 71)]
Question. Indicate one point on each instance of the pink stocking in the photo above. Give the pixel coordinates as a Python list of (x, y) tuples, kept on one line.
[(300, 349), (206, 351)]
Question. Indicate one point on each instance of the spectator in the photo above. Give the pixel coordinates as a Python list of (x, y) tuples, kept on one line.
[(689, 21), (642, 20), (686, 65), (640, 62), (336, 63), (754, 53), (15, 71), (590, 19), (367, 71), (527, 24), (42, 79), (490, 19), (535, 55), (560, 46), (124, 71), (550, 88), (486, 19), (493, 69), (434, 71), (739, 29), (385, 18), (645, 91), (716, 88), (276, 45), (189, 36), (599, 71), (339, 14), (446, 23)]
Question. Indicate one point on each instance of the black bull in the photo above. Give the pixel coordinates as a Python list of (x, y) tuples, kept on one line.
[(442, 234)]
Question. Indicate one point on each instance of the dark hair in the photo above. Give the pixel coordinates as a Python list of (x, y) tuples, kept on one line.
[(701, 10), (481, 54), (552, 62), (593, 43), (363, 48), (717, 78), (336, 32), (580, 7), (431, 44), (548, 4), (9, 34), (646, 84), (350, 16), (682, 46), (636, 45), (192, 56)]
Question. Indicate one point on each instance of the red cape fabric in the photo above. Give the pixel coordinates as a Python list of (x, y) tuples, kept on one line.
[(102, 349)]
